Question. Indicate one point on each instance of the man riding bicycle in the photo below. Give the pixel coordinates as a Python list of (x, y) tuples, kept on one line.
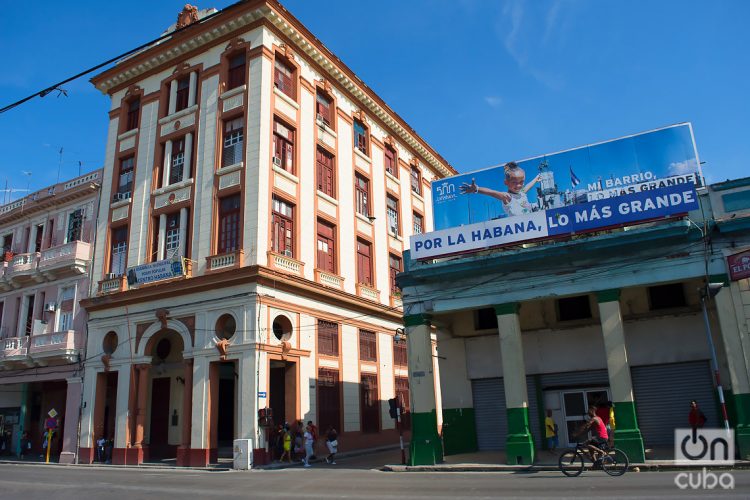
[(598, 442)]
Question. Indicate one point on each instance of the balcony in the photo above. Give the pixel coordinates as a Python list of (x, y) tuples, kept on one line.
[(285, 263), (55, 344), (65, 260), (329, 279), (14, 349), (22, 269), (230, 260), (367, 292), (113, 284)]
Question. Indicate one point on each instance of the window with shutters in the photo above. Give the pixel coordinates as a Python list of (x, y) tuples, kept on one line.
[(134, 110), (328, 338), (75, 226), (362, 194), (416, 180), (323, 108), (399, 353), (67, 303), (283, 77), (326, 172), (391, 165), (183, 90), (369, 403), (394, 265), (236, 74), (172, 239), (391, 208), (360, 137), (282, 227), (118, 250), (229, 224), (283, 146), (368, 348), (402, 394), (233, 140), (417, 223), (124, 179), (364, 263), (177, 161), (329, 399), (326, 247)]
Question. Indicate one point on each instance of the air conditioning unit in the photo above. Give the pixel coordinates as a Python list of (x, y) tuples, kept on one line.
[(50, 307), (121, 196), (277, 161), (394, 230)]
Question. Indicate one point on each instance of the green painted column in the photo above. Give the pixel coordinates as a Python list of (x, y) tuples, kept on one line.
[(425, 447), (727, 302), (22, 416), (628, 436), (519, 445)]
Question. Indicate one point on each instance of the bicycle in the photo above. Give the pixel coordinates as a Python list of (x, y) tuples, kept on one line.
[(614, 461)]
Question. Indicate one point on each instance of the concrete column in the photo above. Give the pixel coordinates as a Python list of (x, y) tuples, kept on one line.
[(459, 422), (120, 454), (22, 416), (738, 398), (199, 449), (186, 169), (183, 454), (192, 90), (167, 165), (88, 439), (425, 447), (162, 236), (183, 231), (172, 97), (72, 412), (627, 434), (32, 239), (247, 398), (519, 446), (142, 371)]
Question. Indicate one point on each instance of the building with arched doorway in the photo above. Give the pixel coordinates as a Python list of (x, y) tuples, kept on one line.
[(256, 201)]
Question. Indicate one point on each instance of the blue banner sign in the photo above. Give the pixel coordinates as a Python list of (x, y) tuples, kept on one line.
[(635, 164), (658, 203), (156, 271)]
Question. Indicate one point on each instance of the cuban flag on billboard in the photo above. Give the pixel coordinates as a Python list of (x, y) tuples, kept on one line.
[(574, 180)]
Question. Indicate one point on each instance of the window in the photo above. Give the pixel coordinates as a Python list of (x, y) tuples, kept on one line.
[(183, 91), (416, 180), (283, 146), (362, 190), (328, 338), (392, 212), (229, 224), (417, 223), (390, 161), (485, 319), (368, 348), (572, 308), (399, 353), (7, 244), (369, 403), (75, 226), (323, 108), (134, 108), (177, 161), (282, 222), (326, 179), (236, 75), (326, 247), (118, 250), (360, 136), (67, 301), (666, 296), (394, 264), (329, 399), (172, 239), (125, 179), (233, 137), (283, 78), (402, 393), (364, 264)]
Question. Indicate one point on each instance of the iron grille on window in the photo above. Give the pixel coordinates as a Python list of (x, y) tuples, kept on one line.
[(399, 353), (75, 226), (367, 346), (328, 338), (418, 224)]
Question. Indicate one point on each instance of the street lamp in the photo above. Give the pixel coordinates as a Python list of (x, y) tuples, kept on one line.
[(708, 292)]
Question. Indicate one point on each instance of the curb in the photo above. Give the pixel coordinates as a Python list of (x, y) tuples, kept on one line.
[(642, 467), (339, 456), (118, 467)]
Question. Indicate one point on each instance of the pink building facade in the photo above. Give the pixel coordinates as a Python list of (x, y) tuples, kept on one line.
[(47, 243)]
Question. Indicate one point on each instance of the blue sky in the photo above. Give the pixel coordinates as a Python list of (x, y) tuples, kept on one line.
[(482, 81)]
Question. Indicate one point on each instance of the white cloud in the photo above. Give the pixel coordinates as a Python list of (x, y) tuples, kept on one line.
[(683, 167), (493, 101)]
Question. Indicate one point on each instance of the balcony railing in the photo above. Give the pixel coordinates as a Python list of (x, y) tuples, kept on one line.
[(225, 260), (284, 263), (367, 292), (52, 343), (22, 264), (14, 347), (114, 284), (329, 279), (65, 254)]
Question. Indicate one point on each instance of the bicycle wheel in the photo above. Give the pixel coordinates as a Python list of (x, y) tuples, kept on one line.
[(571, 463), (615, 462)]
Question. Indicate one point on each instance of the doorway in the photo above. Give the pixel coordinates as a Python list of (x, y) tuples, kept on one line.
[(159, 442), (282, 388), (575, 406), (226, 412)]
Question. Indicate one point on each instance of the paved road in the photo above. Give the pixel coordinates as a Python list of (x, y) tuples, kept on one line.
[(30, 482)]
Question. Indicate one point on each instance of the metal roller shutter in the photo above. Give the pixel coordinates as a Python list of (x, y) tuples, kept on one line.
[(570, 380), (534, 424), (489, 412), (662, 398)]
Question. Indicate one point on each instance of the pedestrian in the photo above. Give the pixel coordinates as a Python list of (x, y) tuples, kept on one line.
[(696, 418), (101, 445), (332, 443), (611, 424), (25, 444), (550, 430), (314, 432), (287, 440), (299, 444), (308, 445)]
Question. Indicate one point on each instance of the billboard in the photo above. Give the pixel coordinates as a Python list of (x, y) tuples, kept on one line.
[(646, 176), (156, 271), (633, 164)]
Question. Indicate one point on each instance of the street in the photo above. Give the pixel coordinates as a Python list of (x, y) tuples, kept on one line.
[(342, 481)]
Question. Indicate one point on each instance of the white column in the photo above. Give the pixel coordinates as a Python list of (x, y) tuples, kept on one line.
[(183, 231), (247, 398), (188, 157), (123, 411), (172, 97), (193, 88), (199, 423), (32, 239), (167, 165), (162, 236), (89, 401)]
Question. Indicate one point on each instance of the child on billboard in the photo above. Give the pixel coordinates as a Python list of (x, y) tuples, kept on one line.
[(514, 201)]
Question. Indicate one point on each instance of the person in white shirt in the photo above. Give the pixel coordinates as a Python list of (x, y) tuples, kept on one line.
[(308, 445), (514, 201)]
